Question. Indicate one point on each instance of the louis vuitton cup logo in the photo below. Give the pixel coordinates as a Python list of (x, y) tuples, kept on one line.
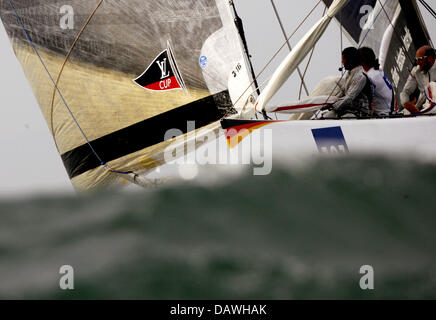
[(162, 74), (163, 68)]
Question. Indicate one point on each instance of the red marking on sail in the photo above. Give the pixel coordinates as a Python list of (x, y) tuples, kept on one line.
[(303, 106), (165, 84)]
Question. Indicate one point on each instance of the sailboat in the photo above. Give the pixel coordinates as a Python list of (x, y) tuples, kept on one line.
[(119, 101)]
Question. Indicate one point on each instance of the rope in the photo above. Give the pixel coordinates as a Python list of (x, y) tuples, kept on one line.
[(308, 62), (300, 92), (396, 33), (341, 32), (67, 57), (61, 96), (274, 56), (289, 45)]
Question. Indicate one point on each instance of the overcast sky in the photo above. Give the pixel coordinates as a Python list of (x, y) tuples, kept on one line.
[(29, 160)]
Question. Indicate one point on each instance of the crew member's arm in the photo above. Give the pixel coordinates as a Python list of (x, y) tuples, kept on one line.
[(408, 90), (352, 93)]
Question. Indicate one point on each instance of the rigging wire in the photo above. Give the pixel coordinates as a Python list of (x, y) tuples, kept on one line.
[(341, 32), (428, 7), (300, 92), (412, 61), (289, 46), (67, 57), (104, 164), (309, 61), (264, 83), (274, 56)]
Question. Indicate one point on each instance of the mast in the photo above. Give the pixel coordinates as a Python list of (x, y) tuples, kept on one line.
[(240, 26), (292, 61)]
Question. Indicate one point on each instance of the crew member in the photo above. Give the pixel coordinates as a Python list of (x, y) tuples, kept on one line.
[(420, 78), (384, 101), (357, 93)]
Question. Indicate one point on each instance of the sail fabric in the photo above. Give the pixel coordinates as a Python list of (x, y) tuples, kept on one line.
[(297, 55), (392, 28), (139, 69)]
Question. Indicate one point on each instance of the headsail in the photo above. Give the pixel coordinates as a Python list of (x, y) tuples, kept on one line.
[(394, 29), (190, 44)]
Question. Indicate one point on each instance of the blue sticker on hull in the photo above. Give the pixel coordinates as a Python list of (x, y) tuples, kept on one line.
[(330, 140)]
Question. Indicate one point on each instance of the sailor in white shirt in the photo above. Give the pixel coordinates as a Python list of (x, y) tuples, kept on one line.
[(383, 102), (420, 78)]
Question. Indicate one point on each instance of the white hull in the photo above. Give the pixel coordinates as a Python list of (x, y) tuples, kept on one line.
[(381, 136), (296, 142)]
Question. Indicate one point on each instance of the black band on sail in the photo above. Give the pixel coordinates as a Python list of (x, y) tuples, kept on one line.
[(146, 133)]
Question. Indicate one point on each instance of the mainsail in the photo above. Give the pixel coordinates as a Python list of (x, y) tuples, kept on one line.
[(127, 71), (394, 29)]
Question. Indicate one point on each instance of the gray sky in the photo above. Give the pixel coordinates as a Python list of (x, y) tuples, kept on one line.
[(29, 160)]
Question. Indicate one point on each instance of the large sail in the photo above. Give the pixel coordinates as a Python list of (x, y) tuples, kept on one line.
[(126, 72), (393, 29)]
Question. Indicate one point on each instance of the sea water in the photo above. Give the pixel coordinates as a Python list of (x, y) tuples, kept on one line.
[(298, 233)]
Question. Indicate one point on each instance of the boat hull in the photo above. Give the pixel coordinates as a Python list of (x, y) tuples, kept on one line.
[(404, 137)]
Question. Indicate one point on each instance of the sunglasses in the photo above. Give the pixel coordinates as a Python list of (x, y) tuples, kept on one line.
[(421, 58)]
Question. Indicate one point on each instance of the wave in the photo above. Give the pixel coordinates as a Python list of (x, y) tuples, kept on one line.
[(299, 233)]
